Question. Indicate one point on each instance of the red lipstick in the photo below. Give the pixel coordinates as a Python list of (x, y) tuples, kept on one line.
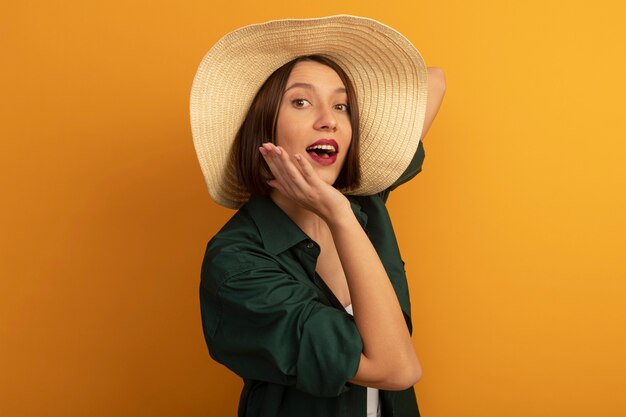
[(323, 151)]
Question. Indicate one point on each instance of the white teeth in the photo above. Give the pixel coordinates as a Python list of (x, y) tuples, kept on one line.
[(322, 147)]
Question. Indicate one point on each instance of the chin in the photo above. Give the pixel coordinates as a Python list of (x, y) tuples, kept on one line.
[(329, 180), (326, 176)]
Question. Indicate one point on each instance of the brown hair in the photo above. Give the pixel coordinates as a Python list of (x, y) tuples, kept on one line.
[(259, 126)]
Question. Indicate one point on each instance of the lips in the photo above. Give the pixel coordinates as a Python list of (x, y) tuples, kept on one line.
[(323, 151)]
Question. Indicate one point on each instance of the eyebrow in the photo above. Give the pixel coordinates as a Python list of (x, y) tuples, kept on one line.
[(311, 87)]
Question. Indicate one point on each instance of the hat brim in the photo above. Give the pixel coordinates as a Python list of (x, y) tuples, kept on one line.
[(388, 73)]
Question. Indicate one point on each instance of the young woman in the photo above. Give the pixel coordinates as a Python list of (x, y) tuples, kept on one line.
[(306, 126)]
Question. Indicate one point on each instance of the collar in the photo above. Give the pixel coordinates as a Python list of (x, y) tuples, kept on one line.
[(277, 230)]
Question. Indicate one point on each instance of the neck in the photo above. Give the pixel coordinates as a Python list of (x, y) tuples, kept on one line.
[(310, 223)]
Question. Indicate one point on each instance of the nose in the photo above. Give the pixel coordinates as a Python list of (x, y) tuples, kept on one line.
[(326, 121)]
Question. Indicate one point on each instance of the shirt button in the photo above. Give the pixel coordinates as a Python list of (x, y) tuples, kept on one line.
[(310, 245)]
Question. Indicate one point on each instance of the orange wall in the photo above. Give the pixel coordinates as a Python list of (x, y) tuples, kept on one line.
[(514, 233)]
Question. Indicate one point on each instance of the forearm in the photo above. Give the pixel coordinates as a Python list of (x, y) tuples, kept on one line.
[(436, 92), (389, 360)]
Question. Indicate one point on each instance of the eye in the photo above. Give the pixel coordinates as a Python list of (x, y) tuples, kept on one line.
[(300, 102), (342, 107)]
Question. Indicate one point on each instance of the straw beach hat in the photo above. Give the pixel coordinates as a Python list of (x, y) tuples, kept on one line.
[(388, 73)]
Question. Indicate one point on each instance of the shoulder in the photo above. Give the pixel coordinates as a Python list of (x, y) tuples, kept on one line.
[(239, 230), (237, 247)]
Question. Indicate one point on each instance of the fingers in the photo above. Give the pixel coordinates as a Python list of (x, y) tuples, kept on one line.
[(280, 166), (297, 180), (305, 167), (287, 174), (269, 154)]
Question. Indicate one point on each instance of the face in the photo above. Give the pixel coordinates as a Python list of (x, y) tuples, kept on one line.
[(313, 118)]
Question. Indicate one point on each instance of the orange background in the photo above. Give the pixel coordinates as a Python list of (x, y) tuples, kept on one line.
[(514, 233)]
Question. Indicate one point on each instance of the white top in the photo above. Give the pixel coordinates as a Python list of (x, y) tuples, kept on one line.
[(373, 397)]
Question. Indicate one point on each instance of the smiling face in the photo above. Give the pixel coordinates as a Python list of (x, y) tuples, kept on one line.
[(313, 118)]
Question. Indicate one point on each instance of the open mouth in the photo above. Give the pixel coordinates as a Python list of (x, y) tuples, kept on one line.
[(322, 151)]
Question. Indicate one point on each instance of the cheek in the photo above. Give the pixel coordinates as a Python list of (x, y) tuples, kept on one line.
[(284, 134), (281, 130), (288, 130), (348, 135)]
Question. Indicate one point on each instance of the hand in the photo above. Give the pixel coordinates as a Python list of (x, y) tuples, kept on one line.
[(299, 182)]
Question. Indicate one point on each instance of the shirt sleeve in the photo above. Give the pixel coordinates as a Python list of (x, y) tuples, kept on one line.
[(264, 324), (414, 168)]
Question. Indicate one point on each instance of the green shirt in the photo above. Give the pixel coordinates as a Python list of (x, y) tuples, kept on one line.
[(269, 317)]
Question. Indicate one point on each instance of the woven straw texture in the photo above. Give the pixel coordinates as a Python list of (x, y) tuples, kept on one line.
[(388, 72)]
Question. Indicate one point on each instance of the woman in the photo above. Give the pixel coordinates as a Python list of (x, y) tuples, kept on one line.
[(306, 126)]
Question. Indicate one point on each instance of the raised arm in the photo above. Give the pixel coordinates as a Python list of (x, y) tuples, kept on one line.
[(388, 360), (436, 91)]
